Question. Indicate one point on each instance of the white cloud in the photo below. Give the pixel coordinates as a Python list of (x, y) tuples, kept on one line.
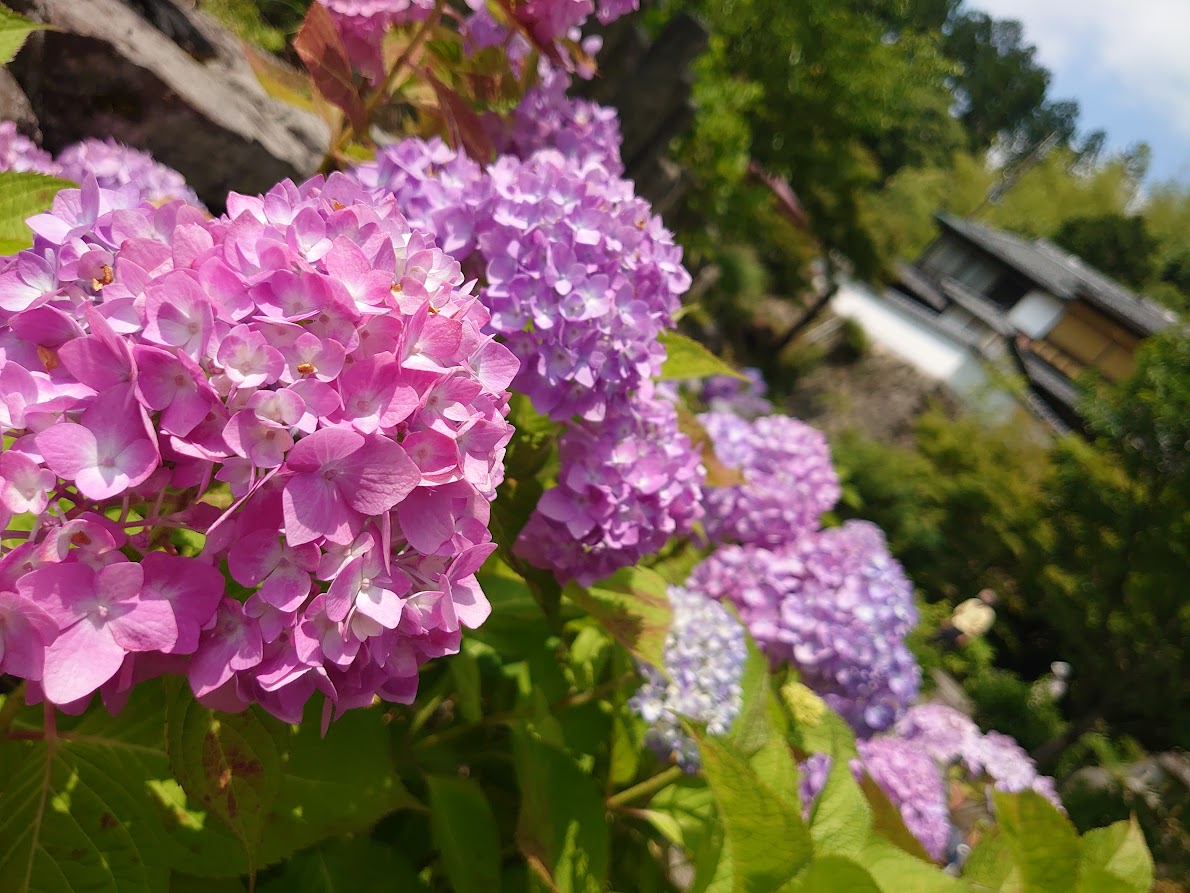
[(1138, 49)]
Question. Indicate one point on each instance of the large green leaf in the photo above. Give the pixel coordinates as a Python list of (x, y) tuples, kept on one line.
[(686, 358), (990, 867), (23, 194), (887, 821), (13, 31), (97, 808), (562, 828), (465, 834), (633, 606), (230, 763), (1043, 843), (768, 841), (100, 809), (833, 874), (344, 865), (1118, 850)]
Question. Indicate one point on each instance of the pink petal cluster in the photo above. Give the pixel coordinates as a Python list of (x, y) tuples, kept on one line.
[(19, 153), (259, 450)]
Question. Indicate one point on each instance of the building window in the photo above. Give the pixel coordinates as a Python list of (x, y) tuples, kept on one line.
[(1085, 338)]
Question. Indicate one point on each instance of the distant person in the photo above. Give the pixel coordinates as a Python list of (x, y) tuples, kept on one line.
[(969, 620)]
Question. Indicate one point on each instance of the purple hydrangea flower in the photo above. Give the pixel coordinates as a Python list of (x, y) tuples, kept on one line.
[(19, 153), (906, 774), (726, 393), (789, 481), (837, 607), (951, 738), (362, 25), (626, 485), (115, 165), (705, 652)]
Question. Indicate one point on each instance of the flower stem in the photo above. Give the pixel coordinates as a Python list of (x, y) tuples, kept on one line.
[(646, 788)]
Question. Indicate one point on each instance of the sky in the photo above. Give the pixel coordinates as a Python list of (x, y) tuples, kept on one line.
[(1127, 62)]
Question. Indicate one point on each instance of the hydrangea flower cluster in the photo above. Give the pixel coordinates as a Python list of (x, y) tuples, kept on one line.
[(705, 652), (362, 25), (626, 485), (19, 153), (906, 774), (583, 131), (580, 280), (726, 393), (258, 450), (113, 165), (951, 738), (834, 604), (789, 480)]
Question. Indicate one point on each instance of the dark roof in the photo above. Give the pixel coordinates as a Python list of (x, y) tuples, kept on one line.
[(1063, 275)]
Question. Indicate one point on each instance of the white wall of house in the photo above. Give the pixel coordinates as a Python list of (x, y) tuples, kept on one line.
[(930, 352), (1036, 313)]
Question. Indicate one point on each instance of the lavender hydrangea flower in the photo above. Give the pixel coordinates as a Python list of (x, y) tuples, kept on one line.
[(19, 153), (906, 774), (626, 485), (834, 604), (789, 481), (726, 393), (114, 165), (362, 25), (705, 652), (951, 738)]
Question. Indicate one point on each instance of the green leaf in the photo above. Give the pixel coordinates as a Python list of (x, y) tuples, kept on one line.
[(22, 195), (633, 606), (465, 834), (833, 874), (688, 807), (340, 783), (98, 809), (1095, 880), (13, 31), (768, 841), (686, 358), (842, 819), (990, 867), (464, 669), (231, 763), (344, 865), (1044, 844), (562, 827), (895, 871), (1118, 850)]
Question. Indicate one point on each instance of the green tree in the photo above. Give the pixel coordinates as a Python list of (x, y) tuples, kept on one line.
[(1118, 245), (1111, 584)]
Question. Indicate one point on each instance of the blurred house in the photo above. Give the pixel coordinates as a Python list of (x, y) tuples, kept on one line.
[(1002, 320)]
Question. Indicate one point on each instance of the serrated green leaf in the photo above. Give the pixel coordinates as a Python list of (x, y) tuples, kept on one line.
[(562, 827), (465, 834), (230, 763), (768, 841), (23, 194), (358, 865), (834, 874), (632, 605), (1118, 850), (14, 29), (686, 358), (753, 726), (1043, 843)]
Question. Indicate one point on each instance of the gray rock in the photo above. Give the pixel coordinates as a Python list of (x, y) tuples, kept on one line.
[(108, 71), (15, 107)]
